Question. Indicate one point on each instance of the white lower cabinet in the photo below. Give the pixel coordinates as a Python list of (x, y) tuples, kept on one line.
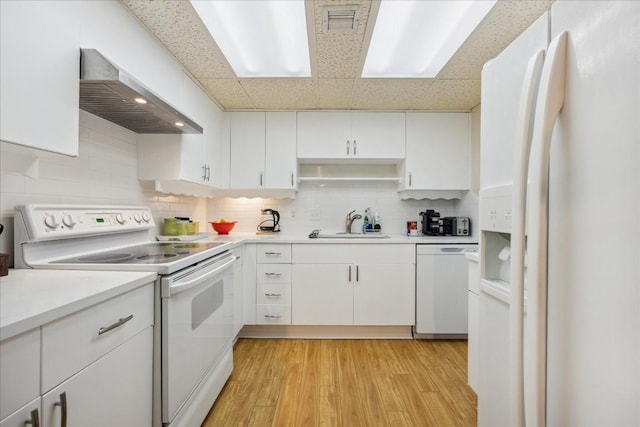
[(322, 294), (353, 284), (273, 284), (19, 371), (116, 390), (90, 368), (27, 415)]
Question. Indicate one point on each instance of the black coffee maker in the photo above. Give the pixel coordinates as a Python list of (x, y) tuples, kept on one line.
[(430, 222)]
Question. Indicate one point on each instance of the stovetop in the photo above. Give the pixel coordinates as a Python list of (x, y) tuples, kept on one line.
[(148, 253)]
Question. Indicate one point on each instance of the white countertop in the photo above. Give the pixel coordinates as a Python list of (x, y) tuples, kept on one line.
[(31, 298), (240, 238)]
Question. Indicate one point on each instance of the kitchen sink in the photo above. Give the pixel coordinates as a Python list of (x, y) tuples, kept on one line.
[(317, 235)]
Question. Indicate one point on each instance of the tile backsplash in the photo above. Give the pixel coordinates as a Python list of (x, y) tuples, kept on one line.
[(105, 172), (325, 206)]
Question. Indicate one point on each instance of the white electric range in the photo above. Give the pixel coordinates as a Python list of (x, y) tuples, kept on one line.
[(194, 292)]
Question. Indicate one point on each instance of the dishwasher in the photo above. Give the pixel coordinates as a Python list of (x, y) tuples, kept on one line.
[(442, 290)]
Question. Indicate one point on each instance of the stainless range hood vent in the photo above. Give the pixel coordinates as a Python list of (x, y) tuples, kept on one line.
[(109, 92)]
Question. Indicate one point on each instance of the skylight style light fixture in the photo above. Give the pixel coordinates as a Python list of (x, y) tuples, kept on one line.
[(416, 39), (266, 38)]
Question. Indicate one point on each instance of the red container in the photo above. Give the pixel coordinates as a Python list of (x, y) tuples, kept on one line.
[(223, 227)]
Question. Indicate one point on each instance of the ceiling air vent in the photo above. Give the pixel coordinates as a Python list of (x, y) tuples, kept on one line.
[(340, 19)]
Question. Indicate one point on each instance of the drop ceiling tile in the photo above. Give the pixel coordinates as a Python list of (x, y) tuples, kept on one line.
[(382, 94), (335, 94), (228, 93), (278, 94), (180, 29), (450, 95), (338, 55), (505, 22)]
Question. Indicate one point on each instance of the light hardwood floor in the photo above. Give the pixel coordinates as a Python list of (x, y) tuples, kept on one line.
[(346, 383)]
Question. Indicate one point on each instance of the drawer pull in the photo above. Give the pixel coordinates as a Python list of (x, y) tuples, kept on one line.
[(273, 274), (272, 295), (119, 323), (273, 253), (34, 420), (272, 316), (63, 406)]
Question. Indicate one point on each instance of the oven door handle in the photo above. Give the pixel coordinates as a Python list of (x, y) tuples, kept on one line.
[(182, 286)]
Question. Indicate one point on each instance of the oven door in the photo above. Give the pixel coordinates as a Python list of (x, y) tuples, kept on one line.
[(197, 326)]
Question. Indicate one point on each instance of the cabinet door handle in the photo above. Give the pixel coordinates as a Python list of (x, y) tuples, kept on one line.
[(111, 327), (63, 407), (272, 316), (34, 420), (273, 274), (409, 179), (349, 273), (355, 147), (347, 147), (260, 179), (273, 253), (292, 179), (272, 295), (208, 173), (204, 172), (357, 273)]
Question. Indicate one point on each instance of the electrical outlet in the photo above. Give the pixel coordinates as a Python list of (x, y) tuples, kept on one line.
[(293, 214)]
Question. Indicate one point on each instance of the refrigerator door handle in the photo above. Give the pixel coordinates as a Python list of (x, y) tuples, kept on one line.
[(516, 306), (548, 105)]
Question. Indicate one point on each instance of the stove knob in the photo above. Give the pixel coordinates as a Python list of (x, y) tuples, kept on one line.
[(68, 221), (138, 218), (51, 221), (145, 217), (120, 219)]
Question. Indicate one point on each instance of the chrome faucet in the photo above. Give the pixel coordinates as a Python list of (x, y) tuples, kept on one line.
[(349, 221)]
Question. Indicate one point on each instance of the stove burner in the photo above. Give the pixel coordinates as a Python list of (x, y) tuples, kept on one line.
[(155, 257), (111, 258)]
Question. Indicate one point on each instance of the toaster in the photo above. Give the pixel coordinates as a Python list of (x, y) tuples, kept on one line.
[(455, 226)]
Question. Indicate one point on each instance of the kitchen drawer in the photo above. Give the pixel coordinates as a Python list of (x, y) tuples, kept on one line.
[(274, 294), (274, 253), (73, 342), (272, 314), (19, 371), (273, 273)]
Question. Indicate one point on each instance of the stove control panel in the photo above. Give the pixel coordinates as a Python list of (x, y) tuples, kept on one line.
[(47, 222)]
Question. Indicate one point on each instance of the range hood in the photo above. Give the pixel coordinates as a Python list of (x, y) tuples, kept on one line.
[(111, 93)]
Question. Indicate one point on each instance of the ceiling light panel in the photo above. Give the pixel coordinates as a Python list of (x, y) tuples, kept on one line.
[(266, 38), (416, 39)]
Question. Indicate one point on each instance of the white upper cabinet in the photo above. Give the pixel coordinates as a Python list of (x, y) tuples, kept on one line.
[(247, 150), (437, 151), (195, 158), (351, 135), (280, 155), (378, 135), (263, 150), (39, 75)]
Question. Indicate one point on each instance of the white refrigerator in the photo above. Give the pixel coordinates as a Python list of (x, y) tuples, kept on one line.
[(559, 340)]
